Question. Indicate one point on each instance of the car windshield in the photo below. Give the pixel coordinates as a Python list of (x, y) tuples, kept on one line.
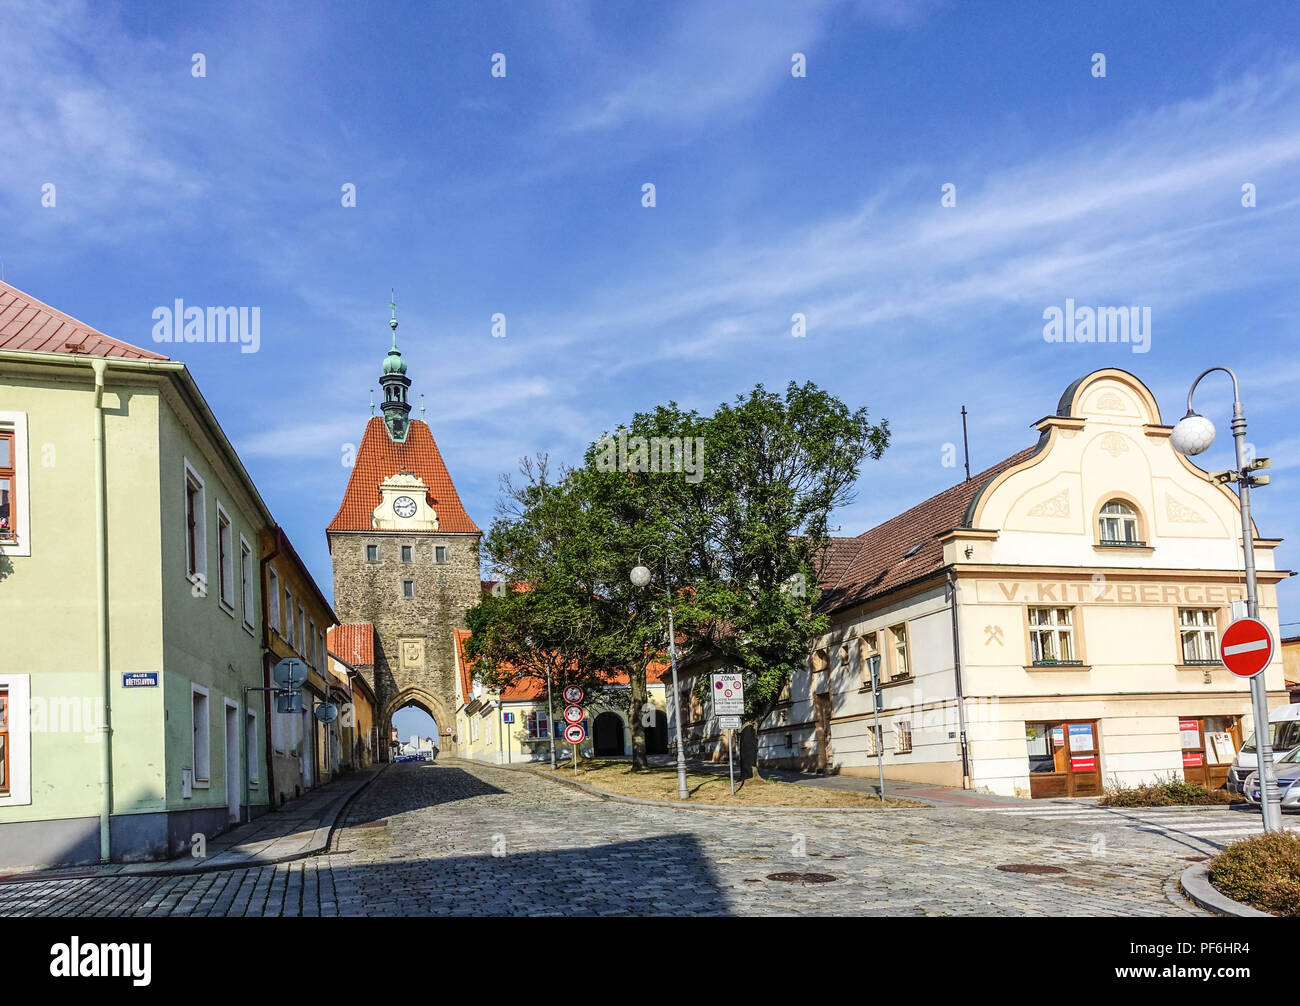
[(1283, 736)]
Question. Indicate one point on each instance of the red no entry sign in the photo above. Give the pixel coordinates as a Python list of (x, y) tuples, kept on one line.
[(1246, 647)]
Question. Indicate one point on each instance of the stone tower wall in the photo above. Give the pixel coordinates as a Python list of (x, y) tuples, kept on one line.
[(414, 658)]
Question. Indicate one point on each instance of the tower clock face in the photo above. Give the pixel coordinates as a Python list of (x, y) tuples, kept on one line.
[(404, 506)]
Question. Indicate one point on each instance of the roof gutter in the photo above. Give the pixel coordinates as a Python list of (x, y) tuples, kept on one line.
[(100, 369)]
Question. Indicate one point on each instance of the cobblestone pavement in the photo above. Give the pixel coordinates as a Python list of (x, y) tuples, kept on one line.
[(460, 839)]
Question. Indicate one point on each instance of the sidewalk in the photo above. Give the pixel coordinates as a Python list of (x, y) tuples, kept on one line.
[(301, 828)]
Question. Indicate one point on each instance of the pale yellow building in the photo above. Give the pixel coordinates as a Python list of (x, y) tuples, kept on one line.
[(1045, 628)]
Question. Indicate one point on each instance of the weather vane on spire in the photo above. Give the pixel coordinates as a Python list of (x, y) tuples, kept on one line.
[(392, 303)]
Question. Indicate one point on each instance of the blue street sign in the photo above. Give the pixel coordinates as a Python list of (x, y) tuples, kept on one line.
[(139, 679)]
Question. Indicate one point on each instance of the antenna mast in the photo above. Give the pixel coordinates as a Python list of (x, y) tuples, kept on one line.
[(965, 444)]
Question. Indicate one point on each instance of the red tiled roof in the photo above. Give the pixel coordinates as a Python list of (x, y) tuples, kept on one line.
[(378, 458), (28, 324), (858, 569), (527, 689), (353, 643)]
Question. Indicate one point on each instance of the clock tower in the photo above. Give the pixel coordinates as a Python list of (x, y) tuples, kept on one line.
[(405, 556)]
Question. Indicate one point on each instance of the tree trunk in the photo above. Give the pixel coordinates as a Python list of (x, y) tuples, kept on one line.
[(636, 710)]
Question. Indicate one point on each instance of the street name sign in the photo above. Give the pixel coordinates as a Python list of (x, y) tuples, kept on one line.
[(139, 679), (1246, 647)]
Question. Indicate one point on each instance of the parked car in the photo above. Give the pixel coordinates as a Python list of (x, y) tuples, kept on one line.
[(1288, 774), (1284, 733)]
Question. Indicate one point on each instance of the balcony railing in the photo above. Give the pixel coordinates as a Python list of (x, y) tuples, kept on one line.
[(1118, 543)]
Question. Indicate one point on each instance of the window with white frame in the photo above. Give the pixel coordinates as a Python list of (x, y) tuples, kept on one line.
[(301, 630), (902, 667), (539, 725), (1199, 629), (873, 740), (201, 751), (225, 561), (247, 593), (1118, 525), (408, 588), (15, 740), (902, 736), (1051, 635), (273, 597), (408, 555), (15, 515), (250, 746), (372, 553), (868, 648), (473, 728), (196, 527), (286, 630), (440, 554)]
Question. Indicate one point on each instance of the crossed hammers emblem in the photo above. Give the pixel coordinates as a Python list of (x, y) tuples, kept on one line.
[(992, 634)]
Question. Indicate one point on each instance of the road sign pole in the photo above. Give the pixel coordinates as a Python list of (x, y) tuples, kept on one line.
[(731, 770), (1269, 803), (575, 759)]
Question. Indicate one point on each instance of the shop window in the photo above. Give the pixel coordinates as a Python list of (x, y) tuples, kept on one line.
[(1117, 526), (1198, 629), (1051, 637), (1064, 758), (902, 736), (901, 659)]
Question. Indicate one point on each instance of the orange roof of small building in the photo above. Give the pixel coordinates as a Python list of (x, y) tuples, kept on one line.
[(353, 643), (379, 458), (30, 325), (529, 689)]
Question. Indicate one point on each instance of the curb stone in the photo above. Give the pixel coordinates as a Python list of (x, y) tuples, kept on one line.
[(1195, 882), (618, 798)]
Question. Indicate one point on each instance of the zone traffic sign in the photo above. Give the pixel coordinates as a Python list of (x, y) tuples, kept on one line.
[(1246, 647), (574, 733)]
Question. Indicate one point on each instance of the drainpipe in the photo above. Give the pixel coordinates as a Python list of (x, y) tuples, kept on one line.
[(100, 368), (956, 670)]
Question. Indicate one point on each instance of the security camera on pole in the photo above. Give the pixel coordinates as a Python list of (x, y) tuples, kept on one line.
[(1243, 644)]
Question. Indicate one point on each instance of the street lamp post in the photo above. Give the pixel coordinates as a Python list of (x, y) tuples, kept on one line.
[(640, 577), (1193, 435)]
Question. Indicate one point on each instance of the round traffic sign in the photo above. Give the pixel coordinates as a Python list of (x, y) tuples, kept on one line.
[(573, 714), (572, 694), (574, 733), (289, 673), (1246, 647)]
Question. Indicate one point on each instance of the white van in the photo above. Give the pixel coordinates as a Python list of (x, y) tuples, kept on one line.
[(1284, 733)]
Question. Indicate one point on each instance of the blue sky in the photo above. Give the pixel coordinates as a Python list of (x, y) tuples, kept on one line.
[(775, 195)]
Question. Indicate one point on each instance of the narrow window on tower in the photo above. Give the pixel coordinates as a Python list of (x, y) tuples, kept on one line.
[(408, 588), (440, 553), (406, 553), (372, 553)]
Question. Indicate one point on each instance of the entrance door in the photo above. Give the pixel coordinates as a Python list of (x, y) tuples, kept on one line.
[(822, 724), (234, 780), (656, 736), (1209, 743), (1064, 758), (308, 743), (607, 735)]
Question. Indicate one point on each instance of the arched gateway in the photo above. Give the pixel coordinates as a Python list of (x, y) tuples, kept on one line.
[(405, 556)]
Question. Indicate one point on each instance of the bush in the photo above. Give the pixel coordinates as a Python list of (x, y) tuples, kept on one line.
[(1171, 792), (1263, 872)]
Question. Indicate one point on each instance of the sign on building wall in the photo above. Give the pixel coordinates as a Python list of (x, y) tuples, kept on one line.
[(139, 679)]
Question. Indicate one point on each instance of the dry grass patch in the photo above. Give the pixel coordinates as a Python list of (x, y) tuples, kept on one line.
[(661, 784)]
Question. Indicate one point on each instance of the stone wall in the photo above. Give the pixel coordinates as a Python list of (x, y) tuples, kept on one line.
[(413, 656)]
